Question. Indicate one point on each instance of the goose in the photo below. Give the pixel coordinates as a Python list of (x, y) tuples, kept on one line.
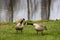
[(20, 25), (38, 27)]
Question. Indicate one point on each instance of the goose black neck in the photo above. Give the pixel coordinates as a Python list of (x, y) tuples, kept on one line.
[(22, 21), (29, 23)]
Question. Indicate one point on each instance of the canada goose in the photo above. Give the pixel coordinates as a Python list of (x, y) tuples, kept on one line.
[(39, 27), (19, 26)]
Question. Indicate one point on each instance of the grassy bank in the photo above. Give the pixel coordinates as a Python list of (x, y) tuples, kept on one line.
[(8, 32)]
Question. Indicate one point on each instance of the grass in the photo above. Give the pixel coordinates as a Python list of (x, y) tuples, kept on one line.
[(8, 32)]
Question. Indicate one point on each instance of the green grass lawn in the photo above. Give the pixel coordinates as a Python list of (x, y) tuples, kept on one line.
[(8, 32)]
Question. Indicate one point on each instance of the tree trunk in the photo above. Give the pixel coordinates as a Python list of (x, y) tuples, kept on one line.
[(0, 17), (11, 11), (28, 9), (49, 3), (44, 9)]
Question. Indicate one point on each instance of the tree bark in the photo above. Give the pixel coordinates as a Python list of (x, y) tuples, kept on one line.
[(44, 10), (28, 9), (11, 11), (0, 17), (49, 3)]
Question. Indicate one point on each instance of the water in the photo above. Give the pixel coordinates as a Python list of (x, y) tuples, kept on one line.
[(4, 17), (55, 10), (21, 10)]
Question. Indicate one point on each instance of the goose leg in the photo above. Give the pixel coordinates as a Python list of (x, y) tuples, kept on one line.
[(16, 31), (42, 32), (21, 31), (37, 32)]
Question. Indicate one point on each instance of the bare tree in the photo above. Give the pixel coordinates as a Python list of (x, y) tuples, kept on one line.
[(45, 9), (48, 5), (28, 9), (10, 10), (0, 17)]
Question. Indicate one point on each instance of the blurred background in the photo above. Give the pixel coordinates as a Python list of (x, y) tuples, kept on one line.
[(11, 10)]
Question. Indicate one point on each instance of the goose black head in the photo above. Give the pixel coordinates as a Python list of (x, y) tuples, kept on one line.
[(29, 23), (22, 20)]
